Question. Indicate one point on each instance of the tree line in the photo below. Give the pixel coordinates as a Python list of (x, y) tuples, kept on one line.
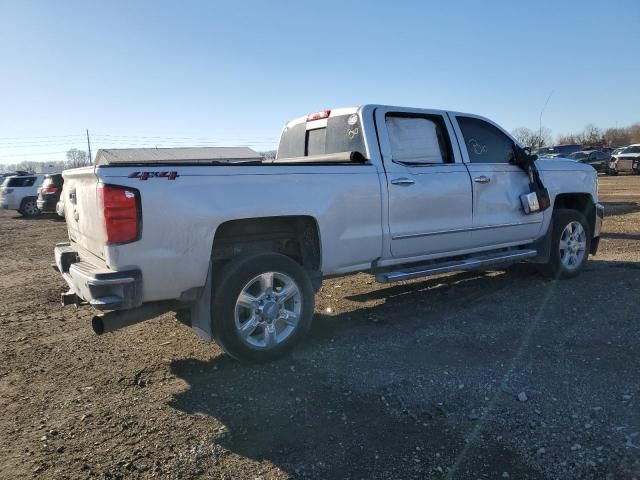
[(75, 158), (591, 136)]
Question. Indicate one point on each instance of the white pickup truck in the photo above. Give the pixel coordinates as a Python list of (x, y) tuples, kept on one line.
[(238, 247)]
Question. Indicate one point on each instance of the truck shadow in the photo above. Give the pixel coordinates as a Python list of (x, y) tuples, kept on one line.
[(619, 208), (299, 418), (41, 216), (306, 415)]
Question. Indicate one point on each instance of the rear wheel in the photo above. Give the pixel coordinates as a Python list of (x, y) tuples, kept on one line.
[(570, 244), (29, 207), (262, 306)]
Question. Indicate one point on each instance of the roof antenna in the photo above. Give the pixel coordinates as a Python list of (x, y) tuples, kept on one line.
[(89, 147), (541, 111)]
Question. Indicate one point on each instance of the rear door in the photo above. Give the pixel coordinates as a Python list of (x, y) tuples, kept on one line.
[(429, 189), (498, 217), (82, 210)]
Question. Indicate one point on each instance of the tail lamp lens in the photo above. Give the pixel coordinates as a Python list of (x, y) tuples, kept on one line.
[(121, 213)]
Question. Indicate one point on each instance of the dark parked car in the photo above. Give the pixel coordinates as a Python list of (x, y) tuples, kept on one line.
[(596, 158), (49, 193), (558, 150)]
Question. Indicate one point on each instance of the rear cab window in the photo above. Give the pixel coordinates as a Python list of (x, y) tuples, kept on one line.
[(335, 134), (418, 139)]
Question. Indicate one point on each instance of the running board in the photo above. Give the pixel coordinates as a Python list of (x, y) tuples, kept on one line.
[(470, 263)]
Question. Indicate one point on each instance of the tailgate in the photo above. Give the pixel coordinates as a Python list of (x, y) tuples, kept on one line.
[(82, 210)]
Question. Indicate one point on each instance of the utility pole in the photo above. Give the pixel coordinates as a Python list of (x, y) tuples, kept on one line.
[(89, 146)]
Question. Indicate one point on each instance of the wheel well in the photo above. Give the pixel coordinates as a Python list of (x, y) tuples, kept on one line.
[(582, 202), (294, 236)]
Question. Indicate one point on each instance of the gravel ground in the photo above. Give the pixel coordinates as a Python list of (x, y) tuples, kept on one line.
[(470, 375)]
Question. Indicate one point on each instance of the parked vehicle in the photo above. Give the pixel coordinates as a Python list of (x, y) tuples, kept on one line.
[(558, 150), (239, 247), (596, 158), (626, 160), (20, 192), (617, 150), (49, 193)]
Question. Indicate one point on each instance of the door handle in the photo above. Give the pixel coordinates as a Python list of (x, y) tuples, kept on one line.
[(482, 179), (403, 181)]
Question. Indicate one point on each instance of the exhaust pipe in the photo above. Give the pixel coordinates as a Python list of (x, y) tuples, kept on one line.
[(117, 319)]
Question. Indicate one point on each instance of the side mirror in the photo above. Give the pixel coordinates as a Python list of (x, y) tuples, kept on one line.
[(523, 156)]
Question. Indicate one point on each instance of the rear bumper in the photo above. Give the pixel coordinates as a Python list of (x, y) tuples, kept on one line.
[(47, 204), (102, 288)]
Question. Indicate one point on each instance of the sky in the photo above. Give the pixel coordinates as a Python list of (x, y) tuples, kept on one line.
[(182, 73)]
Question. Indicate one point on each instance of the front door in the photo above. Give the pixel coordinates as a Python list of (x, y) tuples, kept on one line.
[(498, 218), (429, 189)]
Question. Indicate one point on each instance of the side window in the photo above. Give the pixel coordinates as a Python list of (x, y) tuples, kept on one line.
[(484, 142), (418, 140), (21, 182)]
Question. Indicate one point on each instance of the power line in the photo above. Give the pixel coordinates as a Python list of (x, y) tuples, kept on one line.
[(46, 136), (30, 154)]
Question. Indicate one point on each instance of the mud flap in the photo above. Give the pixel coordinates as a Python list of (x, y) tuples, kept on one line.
[(200, 311)]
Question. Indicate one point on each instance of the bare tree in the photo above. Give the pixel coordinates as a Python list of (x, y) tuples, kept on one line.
[(634, 133), (592, 135), (569, 138), (269, 154), (77, 158), (614, 137), (531, 138)]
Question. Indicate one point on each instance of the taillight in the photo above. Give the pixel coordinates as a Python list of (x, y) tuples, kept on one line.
[(318, 115), (49, 189), (121, 213)]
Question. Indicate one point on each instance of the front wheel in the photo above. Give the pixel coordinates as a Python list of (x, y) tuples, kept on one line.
[(262, 306), (570, 244)]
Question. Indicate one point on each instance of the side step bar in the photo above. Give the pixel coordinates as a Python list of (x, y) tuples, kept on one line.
[(470, 263)]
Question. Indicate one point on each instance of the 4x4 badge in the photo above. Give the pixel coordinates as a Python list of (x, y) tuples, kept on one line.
[(148, 175)]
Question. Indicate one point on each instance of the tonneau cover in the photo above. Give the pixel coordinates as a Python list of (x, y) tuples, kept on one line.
[(118, 156)]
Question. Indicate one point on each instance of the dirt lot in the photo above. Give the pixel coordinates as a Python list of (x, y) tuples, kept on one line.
[(413, 380)]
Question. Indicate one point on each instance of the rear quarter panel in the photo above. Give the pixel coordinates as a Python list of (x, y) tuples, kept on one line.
[(180, 217)]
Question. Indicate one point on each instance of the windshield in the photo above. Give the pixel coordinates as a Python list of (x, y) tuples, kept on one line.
[(633, 149), (577, 155), (342, 133)]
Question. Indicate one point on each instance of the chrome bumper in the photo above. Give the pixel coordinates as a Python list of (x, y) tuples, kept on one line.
[(102, 288)]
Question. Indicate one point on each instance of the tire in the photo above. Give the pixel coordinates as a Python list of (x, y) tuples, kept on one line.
[(567, 262), (274, 319), (29, 207)]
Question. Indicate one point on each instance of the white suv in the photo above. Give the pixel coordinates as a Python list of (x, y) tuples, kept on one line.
[(20, 192)]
